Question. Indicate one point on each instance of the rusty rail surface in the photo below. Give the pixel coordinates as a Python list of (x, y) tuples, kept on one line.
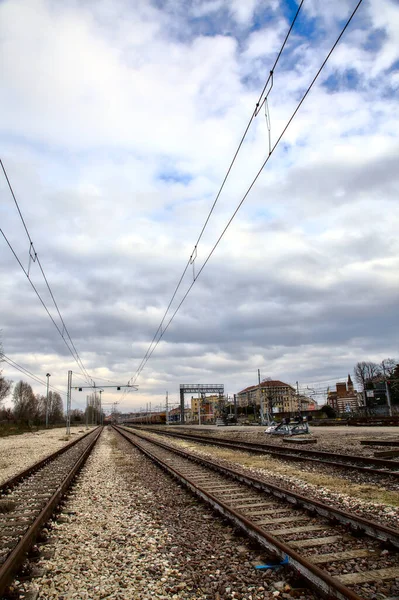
[(353, 462), (10, 483), (17, 553), (327, 585)]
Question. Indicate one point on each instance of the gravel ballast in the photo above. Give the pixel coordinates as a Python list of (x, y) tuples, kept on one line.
[(295, 478), (18, 452), (340, 439), (128, 531)]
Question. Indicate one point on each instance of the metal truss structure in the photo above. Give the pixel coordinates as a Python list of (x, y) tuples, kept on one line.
[(198, 388)]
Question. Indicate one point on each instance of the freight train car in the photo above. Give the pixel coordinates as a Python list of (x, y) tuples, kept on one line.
[(156, 418)]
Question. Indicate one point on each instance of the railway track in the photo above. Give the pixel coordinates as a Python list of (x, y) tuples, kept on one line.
[(28, 500), (339, 554), (350, 462)]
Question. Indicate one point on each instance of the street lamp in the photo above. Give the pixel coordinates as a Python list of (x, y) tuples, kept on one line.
[(48, 375), (101, 412)]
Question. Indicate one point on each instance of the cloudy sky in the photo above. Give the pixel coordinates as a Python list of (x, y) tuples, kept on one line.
[(118, 123)]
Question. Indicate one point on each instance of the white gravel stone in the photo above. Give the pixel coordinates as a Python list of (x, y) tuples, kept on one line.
[(18, 452), (128, 531)]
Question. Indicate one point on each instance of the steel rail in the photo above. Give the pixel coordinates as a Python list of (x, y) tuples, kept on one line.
[(357, 523), (325, 584), (18, 553), (298, 454), (13, 481)]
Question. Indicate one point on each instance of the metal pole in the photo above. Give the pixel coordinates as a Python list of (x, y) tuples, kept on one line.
[(68, 415), (262, 418), (199, 408), (387, 392), (48, 375), (167, 409), (298, 398), (235, 407)]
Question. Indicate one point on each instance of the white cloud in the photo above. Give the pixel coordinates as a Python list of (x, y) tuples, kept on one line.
[(119, 123)]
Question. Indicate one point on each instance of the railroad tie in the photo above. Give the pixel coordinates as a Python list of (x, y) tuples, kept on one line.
[(342, 555), (283, 520), (289, 530), (369, 576), (224, 487), (321, 541), (258, 505), (234, 494)]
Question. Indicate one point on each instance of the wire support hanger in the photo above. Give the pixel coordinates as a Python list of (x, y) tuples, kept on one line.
[(32, 257), (265, 103), (261, 102), (192, 260), (268, 125)]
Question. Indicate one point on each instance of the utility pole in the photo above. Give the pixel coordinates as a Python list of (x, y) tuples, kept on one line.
[(262, 418), (199, 408), (101, 412), (167, 409), (48, 375), (387, 392), (298, 399), (68, 415)]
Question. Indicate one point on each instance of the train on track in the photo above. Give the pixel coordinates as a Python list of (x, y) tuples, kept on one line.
[(158, 418)]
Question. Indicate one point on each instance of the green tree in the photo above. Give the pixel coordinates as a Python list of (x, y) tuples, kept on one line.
[(329, 411)]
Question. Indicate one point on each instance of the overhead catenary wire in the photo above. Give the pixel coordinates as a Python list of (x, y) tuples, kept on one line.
[(149, 354), (28, 373), (258, 105), (41, 300), (35, 258)]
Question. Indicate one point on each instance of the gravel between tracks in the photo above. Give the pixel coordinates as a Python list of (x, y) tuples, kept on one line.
[(330, 439), (18, 452), (384, 513), (129, 532)]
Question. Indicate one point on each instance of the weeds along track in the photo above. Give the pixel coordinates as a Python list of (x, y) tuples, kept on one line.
[(339, 554), (367, 465), (28, 500)]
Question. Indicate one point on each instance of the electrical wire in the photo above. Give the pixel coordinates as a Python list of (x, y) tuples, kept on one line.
[(41, 300), (258, 105), (28, 373), (36, 257), (163, 331)]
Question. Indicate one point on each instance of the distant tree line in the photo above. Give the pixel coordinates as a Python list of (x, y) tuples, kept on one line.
[(29, 408)]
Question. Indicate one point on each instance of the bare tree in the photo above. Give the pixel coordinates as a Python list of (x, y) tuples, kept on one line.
[(56, 408), (5, 387), (5, 384), (365, 372), (388, 366), (26, 407)]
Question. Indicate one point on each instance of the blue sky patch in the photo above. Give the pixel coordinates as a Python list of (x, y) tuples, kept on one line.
[(343, 81), (375, 40), (172, 176)]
